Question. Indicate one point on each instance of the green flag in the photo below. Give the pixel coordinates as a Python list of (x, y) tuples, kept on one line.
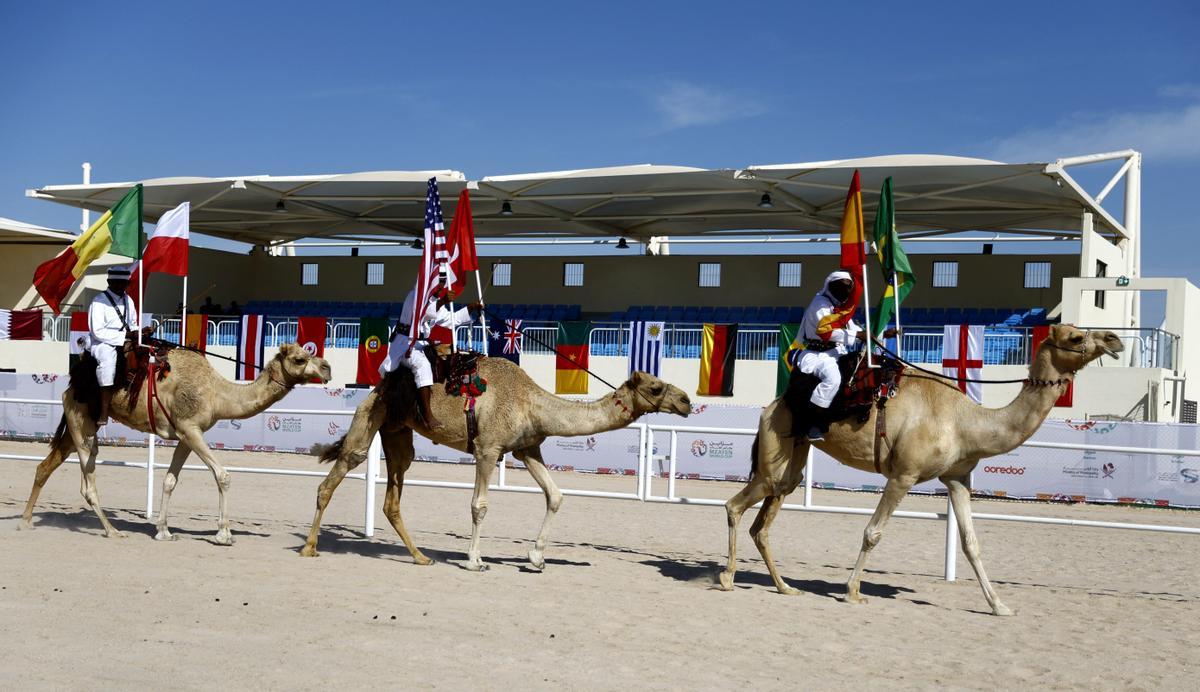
[(125, 225), (789, 350), (891, 258)]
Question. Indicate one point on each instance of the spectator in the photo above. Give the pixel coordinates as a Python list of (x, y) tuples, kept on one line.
[(234, 308), (209, 307)]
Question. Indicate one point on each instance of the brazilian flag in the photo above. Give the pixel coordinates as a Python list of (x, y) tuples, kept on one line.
[(891, 258), (790, 348)]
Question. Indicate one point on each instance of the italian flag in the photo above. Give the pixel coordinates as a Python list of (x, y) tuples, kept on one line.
[(118, 231), (570, 376), (167, 250), (372, 347), (718, 353)]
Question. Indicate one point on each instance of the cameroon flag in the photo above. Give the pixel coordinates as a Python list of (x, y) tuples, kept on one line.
[(718, 353), (372, 348), (790, 348), (891, 258), (570, 376), (117, 231)]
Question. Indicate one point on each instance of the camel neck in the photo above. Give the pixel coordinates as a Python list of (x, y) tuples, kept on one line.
[(246, 400), (563, 417), (1004, 429)]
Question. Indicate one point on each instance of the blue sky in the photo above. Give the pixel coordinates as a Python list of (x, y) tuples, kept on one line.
[(159, 89)]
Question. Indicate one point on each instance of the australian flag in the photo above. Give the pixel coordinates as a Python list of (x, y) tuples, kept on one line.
[(504, 339)]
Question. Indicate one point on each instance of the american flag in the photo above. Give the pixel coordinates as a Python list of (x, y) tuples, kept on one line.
[(433, 259)]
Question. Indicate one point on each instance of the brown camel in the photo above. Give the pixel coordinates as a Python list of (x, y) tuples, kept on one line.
[(515, 415), (933, 431), (195, 398)]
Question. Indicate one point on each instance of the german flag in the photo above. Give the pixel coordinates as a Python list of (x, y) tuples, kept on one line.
[(717, 356)]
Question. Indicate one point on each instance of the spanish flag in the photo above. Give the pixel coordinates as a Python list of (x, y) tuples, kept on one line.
[(854, 258), (196, 332), (570, 374), (117, 231), (718, 352)]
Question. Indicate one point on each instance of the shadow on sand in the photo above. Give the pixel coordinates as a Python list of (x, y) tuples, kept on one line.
[(84, 521), (706, 571)]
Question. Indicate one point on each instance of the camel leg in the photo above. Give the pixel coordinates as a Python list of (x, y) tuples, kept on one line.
[(87, 481), (177, 458), (368, 418), (758, 531), (893, 492), (737, 505), (960, 499), (532, 457), (398, 449), (192, 438), (484, 463), (58, 454)]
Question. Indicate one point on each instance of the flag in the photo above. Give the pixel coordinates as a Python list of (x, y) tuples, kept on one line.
[(433, 259), (167, 250), (891, 258), (853, 259), (21, 325), (962, 357), (790, 348), (504, 339), (718, 353), (310, 334), (197, 332), (570, 376), (372, 348), (1039, 335), (80, 337), (645, 347), (460, 245), (117, 231), (250, 347)]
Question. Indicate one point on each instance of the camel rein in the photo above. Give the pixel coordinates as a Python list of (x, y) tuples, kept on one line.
[(1027, 380)]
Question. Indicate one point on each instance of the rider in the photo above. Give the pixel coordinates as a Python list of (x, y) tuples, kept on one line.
[(436, 314), (112, 318), (821, 350)]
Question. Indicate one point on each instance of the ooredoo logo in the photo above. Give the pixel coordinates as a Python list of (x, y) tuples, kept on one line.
[(699, 449), (1008, 470)]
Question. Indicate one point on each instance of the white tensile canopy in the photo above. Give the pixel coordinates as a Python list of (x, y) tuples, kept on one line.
[(934, 195), (21, 233)]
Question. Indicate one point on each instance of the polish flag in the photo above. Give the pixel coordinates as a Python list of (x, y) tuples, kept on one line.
[(167, 250)]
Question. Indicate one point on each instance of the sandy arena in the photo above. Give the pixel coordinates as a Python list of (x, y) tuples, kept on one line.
[(627, 598)]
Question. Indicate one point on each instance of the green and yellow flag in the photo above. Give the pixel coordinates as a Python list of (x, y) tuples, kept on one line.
[(891, 258), (570, 365), (790, 347)]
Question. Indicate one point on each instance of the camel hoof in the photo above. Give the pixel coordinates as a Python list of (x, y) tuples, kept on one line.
[(788, 591), (224, 538), (309, 551), (725, 581), (114, 534), (1002, 610), (165, 535), (420, 559), (477, 566), (854, 598), (537, 559), (25, 525)]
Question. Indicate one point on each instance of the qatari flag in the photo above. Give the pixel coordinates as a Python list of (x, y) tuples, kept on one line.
[(250, 347)]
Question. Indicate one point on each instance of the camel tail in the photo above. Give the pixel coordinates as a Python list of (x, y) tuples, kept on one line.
[(60, 435), (754, 457), (328, 453)]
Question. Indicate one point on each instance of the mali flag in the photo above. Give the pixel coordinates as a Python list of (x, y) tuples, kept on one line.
[(372, 347), (891, 258), (717, 355), (118, 230), (790, 347), (572, 349)]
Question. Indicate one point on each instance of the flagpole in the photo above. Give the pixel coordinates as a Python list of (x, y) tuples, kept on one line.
[(482, 312), (141, 304), (183, 315), (870, 341), (896, 309)]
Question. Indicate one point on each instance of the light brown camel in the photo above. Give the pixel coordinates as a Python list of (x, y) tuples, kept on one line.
[(515, 415), (933, 431), (195, 397)]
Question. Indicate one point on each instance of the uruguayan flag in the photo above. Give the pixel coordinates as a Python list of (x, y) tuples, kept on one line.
[(645, 347)]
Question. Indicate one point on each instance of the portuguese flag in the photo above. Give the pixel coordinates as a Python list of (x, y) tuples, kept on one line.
[(717, 355), (891, 258), (372, 347), (117, 231), (572, 349), (790, 348)]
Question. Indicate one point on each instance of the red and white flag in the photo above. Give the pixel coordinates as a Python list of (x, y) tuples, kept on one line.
[(166, 251), (250, 347), (962, 357), (21, 324), (460, 245), (310, 334)]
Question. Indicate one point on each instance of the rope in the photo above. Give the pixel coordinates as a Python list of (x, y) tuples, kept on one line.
[(193, 349), (889, 352)]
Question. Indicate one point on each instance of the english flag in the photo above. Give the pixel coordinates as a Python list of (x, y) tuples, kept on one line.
[(460, 245), (962, 357), (167, 250)]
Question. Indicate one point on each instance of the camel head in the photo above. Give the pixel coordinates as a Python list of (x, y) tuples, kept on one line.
[(652, 395), (297, 366), (1072, 348)]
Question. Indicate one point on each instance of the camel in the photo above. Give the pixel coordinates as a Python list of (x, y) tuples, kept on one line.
[(933, 431), (195, 398), (515, 415)]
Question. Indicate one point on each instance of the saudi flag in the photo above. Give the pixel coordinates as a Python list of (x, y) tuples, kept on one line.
[(891, 258), (790, 348), (118, 231)]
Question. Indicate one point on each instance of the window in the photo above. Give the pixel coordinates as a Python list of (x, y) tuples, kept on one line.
[(789, 274), (501, 273), (573, 274), (945, 274), (1101, 270), (374, 273), (308, 274), (710, 274), (1037, 275)]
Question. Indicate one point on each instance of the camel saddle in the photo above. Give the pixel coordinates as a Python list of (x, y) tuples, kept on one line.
[(135, 365), (862, 388), (458, 371)]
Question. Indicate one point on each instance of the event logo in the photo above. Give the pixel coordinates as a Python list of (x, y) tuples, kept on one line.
[(310, 347), (699, 448), (591, 444), (273, 423), (44, 378), (373, 343), (1093, 426), (699, 409), (1009, 470), (334, 428), (1189, 475), (1108, 469)]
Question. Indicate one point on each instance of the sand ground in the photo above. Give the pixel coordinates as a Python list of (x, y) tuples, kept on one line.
[(626, 600)]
